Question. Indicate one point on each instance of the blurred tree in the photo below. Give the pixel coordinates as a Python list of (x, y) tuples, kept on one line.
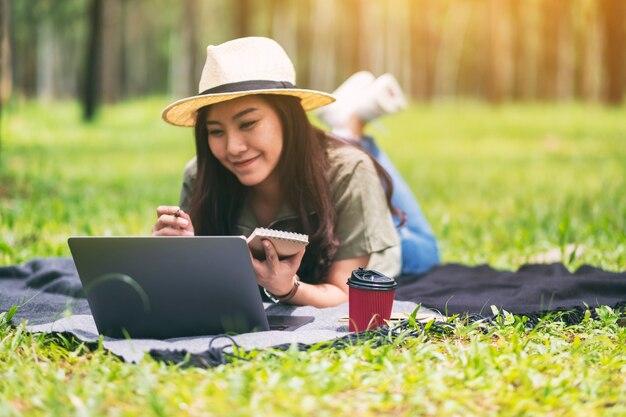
[(423, 46), (454, 37), (322, 56), (351, 37), (284, 24), (111, 50), (6, 77), (6, 74), (566, 59), (91, 74), (589, 73), (497, 50), (184, 57), (270, 5), (614, 14), (304, 34), (242, 17), (26, 17), (47, 49), (488, 49), (48, 38), (551, 16), (517, 46)]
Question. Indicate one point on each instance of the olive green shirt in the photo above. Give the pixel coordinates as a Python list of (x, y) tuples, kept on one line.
[(363, 220)]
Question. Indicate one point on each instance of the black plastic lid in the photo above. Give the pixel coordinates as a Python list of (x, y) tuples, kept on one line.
[(368, 279)]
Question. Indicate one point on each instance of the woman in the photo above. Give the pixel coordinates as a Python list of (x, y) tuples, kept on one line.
[(260, 163)]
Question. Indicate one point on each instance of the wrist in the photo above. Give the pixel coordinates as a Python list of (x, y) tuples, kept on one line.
[(283, 298)]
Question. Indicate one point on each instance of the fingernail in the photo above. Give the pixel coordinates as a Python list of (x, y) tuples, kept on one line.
[(266, 243), (183, 222)]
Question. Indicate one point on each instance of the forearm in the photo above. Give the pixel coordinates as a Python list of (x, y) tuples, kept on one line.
[(278, 279), (319, 295), (334, 290)]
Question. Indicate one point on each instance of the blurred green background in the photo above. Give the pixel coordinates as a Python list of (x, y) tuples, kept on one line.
[(499, 184)]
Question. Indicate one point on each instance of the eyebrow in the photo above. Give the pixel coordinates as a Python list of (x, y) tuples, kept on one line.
[(236, 116)]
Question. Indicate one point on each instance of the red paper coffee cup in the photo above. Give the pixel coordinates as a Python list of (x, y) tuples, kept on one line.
[(370, 299)]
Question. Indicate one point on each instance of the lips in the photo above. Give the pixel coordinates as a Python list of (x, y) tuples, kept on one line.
[(244, 162)]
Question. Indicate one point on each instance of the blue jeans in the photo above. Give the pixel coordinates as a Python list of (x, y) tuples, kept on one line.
[(419, 246)]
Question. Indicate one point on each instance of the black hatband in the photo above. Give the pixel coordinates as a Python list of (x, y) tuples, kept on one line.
[(250, 85)]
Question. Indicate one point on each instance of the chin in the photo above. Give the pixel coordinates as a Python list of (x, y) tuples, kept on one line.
[(250, 181)]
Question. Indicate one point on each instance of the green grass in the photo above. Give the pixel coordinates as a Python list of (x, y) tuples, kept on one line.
[(499, 185)]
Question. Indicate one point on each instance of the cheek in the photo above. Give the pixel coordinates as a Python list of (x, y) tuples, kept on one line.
[(276, 146), (278, 150), (216, 148)]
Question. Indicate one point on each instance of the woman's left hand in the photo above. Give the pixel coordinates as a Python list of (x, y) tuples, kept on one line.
[(276, 275)]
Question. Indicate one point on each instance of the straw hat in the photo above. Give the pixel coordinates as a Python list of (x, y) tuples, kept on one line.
[(241, 67)]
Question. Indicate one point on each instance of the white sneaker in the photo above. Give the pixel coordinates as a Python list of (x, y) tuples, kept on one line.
[(384, 96), (348, 95)]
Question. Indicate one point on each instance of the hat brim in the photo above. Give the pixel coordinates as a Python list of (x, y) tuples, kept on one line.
[(183, 112)]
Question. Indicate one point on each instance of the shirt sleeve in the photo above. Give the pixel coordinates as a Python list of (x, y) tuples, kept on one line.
[(363, 225), (189, 180)]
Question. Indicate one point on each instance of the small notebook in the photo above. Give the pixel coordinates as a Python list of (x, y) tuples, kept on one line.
[(286, 243)]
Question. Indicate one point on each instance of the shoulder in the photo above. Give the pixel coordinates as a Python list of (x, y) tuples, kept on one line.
[(344, 156), (191, 169), (346, 161), (189, 180)]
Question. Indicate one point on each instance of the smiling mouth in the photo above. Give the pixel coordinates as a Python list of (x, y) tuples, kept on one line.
[(245, 163)]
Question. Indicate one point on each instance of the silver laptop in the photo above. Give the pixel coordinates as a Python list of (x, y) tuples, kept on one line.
[(166, 287)]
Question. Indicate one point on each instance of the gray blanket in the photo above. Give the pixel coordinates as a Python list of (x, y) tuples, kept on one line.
[(48, 293)]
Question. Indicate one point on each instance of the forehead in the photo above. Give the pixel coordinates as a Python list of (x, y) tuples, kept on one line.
[(228, 109)]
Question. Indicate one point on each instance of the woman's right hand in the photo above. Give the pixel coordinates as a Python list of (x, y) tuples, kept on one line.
[(172, 221)]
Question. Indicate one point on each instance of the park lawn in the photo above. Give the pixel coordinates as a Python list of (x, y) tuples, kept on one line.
[(500, 185)]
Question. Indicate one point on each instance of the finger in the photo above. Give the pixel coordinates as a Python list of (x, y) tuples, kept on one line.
[(183, 215), (294, 259), (171, 210), (167, 220), (270, 252), (297, 258), (169, 231)]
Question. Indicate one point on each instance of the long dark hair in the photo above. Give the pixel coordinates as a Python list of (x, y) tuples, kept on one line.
[(218, 196)]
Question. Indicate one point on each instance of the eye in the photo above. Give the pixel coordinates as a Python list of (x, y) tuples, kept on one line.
[(248, 124), (215, 132)]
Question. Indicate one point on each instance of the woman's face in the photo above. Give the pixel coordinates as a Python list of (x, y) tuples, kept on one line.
[(245, 135)]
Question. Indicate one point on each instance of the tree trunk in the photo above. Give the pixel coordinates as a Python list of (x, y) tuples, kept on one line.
[(304, 34), (241, 14), (6, 75), (356, 29), (46, 61), (184, 52), (551, 15), (322, 62), (589, 75), (613, 15), (284, 25), (422, 45), (453, 37), (91, 86), (6, 81), (396, 43), (350, 37), (565, 59), (498, 51), (111, 50), (519, 23)]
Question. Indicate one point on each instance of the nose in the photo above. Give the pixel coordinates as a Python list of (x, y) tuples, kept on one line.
[(236, 144)]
